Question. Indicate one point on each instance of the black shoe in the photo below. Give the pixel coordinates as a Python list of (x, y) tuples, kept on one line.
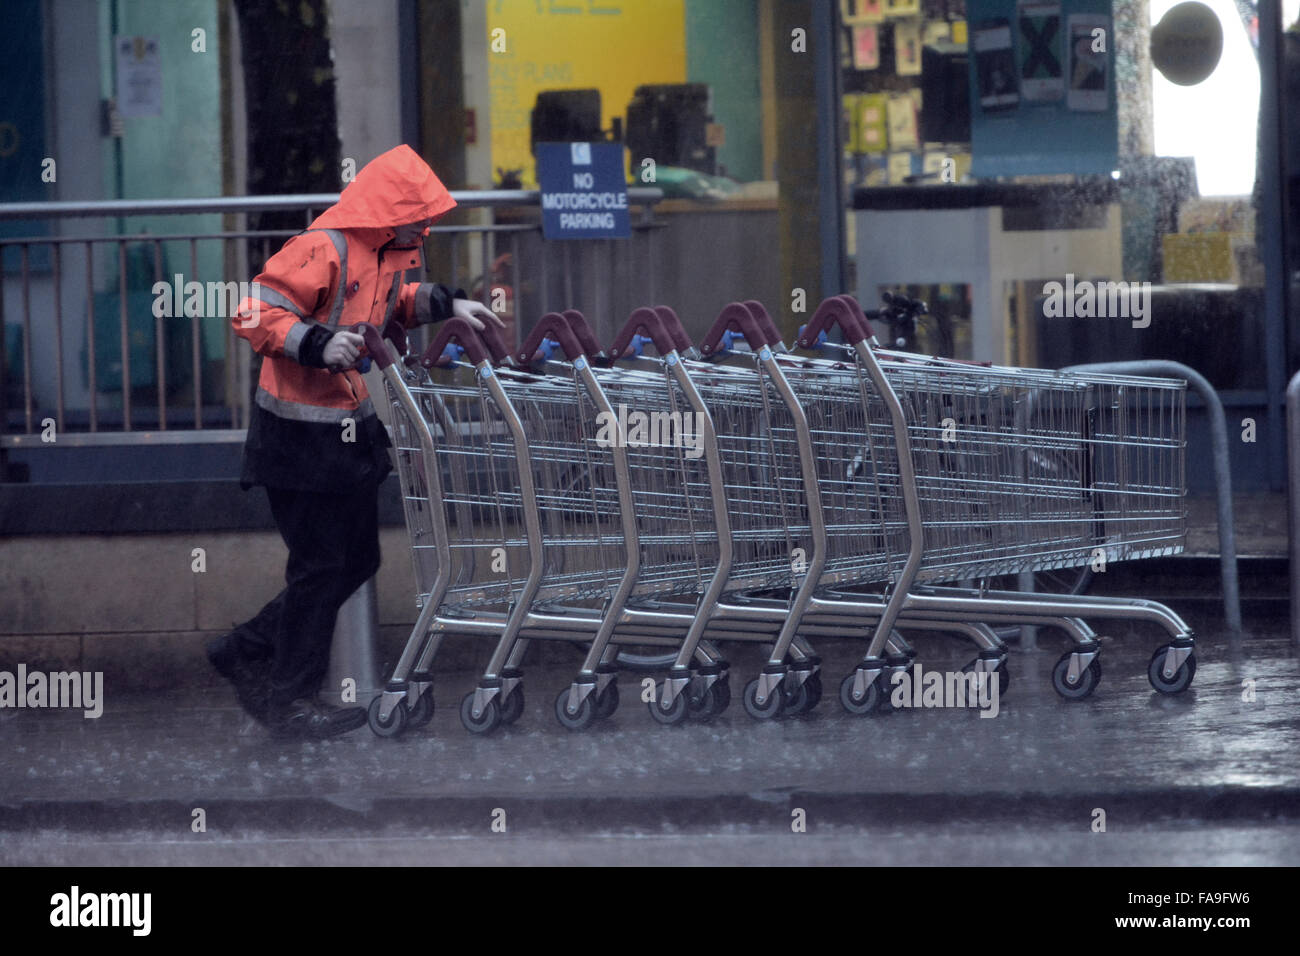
[(252, 683), (312, 718)]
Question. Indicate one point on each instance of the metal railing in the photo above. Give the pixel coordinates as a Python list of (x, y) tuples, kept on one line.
[(57, 282)]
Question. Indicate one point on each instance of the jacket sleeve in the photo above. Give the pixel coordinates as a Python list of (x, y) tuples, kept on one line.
[(295, 288), (420, 303)]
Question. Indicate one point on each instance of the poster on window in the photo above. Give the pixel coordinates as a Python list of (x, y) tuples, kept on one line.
[(1042, 95)]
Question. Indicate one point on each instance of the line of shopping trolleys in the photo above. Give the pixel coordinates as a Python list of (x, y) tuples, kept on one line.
[(658, 496)]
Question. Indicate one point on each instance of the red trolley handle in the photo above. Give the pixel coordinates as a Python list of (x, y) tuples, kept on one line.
[(832, 310), (376, 348), (738, 318), (858, 314), (582, 331), (465, 335), (554, 325), (646, 321), (490, 336), (760, 313), (395, 332), (673, 326)]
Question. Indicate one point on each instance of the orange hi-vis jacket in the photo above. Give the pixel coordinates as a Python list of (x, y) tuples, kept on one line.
[(342, 271)]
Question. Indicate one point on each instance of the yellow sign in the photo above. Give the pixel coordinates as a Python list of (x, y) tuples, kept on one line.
[(610, 45)]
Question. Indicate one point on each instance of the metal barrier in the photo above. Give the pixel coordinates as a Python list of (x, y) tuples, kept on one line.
[(1222, 471), (63, 269), (1293, 498)]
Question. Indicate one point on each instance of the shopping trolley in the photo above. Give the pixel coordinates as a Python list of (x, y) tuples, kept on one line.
[(522, 525), (1053, 470), (1043, 503)]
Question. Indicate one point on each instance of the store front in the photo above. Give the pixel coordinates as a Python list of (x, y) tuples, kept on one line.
[(1075, 182)]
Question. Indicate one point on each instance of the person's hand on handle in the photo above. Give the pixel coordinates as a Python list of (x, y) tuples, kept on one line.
[(475, 313), (342, 350)]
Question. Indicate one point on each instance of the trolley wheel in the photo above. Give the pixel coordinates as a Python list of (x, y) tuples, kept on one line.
[(1182, 679), (422, 712), (607, 701), (1087, 680), (1004, 675), (676, 712), (814, 687), (870, 704), (723, 688), (512, 708), (584, 718), (396, 723), (711, 703), (486, 722), (798, 703), (770, 708)]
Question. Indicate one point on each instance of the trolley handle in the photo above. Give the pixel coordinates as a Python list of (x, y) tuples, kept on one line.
[(673, 325), (395, 332), (375, 346), (863, 317), (464, 334), (643, 320), (491, 338), (552, 324), (582, 331), (737, 318), (764, 318), (832, 310)]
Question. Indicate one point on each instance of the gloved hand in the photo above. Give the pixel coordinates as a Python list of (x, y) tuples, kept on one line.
[(342, 350), (475, 313), (435, 302)]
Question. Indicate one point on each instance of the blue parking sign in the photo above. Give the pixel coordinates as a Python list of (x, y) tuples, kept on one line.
[(584, 192)]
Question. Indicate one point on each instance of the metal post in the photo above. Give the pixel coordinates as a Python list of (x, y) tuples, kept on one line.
[(354, 651), (1293, 498), (1222, 471)]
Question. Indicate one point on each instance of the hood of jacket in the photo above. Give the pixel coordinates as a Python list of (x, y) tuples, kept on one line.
[(394, 188)]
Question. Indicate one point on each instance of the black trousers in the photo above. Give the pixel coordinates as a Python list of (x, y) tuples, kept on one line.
[(333, 542)]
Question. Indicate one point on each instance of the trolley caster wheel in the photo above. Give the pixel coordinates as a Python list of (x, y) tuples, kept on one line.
[(584, 718), (676, 712), (394, 725), (1086, 684), (422, 712), (769, 709), (722, 688), (869, 704), (607, 701), (1182, 679), (1004, 675), (814, 687), (803, 700), (512, 708), (711, 703), (486, 722)]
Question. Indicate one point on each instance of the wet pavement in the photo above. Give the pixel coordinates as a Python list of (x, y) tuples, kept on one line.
[(1209, 776)]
